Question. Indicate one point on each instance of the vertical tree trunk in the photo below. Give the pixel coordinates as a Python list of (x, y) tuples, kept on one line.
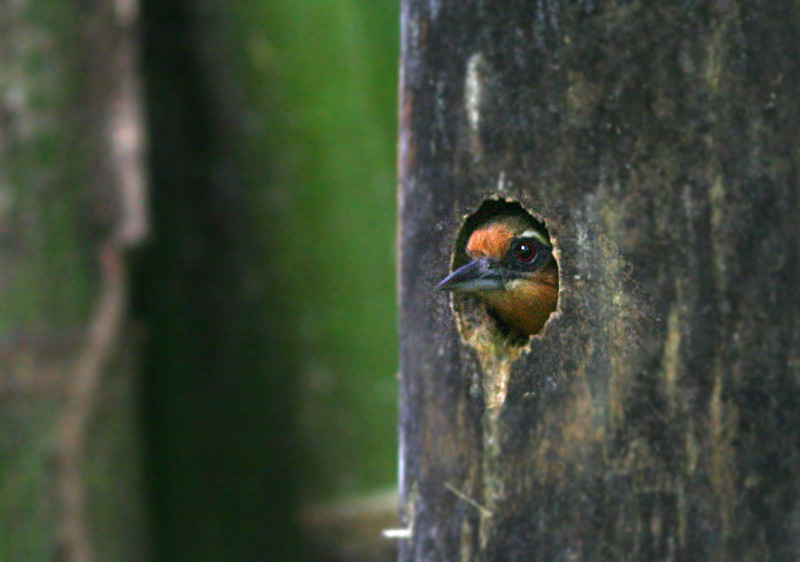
[(656, 417), (271, 385), (71, 204), (220, 390)]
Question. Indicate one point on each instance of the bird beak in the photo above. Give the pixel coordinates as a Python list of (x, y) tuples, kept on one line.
[(476, 276)]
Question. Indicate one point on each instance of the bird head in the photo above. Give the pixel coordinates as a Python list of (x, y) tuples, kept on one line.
[(512, 270)]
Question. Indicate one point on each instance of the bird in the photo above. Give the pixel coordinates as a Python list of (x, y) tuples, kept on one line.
[(512, 271)]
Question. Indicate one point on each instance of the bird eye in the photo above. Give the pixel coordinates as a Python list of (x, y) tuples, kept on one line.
[(524, 251)]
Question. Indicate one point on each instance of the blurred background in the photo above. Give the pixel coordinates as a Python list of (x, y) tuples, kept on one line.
[(197, 280)]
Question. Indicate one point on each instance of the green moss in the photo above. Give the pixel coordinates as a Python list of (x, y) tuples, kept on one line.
[(44, 268)]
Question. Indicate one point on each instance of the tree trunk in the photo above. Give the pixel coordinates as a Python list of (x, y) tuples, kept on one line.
[(71, 205), (657, 415), (271, 385)]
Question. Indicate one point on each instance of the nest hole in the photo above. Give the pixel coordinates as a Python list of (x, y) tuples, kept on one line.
[(480, 326)]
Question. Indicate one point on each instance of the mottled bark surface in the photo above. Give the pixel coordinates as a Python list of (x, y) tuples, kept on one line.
[(71, 205), (656, 418)]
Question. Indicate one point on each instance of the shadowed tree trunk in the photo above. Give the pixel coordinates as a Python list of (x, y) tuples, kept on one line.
[(71, 205), (271, 390), (656, 416)]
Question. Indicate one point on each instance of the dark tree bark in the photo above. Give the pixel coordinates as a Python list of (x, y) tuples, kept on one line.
[(657, 415)]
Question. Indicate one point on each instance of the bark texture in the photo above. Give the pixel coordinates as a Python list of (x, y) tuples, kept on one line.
[(657, 416), (71, 205)]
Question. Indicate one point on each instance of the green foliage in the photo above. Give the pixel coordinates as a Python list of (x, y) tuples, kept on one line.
[(321, 82)]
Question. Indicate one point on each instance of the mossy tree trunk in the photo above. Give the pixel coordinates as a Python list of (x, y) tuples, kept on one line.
[(271, 383), (71, 205), (657, 415)]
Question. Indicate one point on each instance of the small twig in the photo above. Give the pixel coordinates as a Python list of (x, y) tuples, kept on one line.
[(406, 532), (397, 534), (485, 512), (103, 333)]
